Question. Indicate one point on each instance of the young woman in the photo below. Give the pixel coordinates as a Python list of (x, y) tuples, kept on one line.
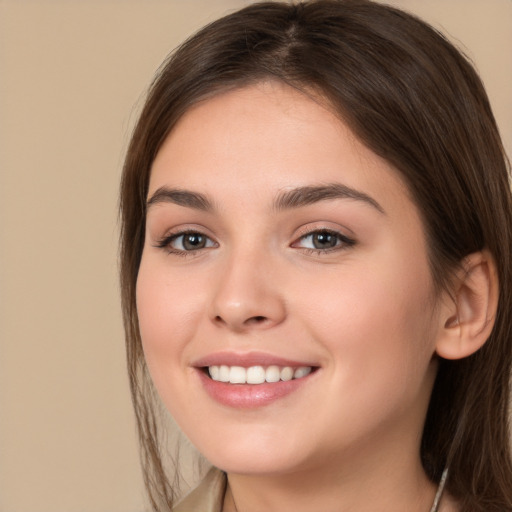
[(316, 266)]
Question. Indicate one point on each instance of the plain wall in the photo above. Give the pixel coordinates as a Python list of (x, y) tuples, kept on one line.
[(72, 75)]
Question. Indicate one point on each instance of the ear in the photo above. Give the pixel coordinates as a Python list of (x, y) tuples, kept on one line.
[(468, 317)]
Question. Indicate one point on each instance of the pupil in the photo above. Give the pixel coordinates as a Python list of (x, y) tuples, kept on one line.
[(193, 241), (323, 240)]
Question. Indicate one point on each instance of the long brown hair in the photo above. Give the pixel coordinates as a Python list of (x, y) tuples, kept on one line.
[(416, 101)]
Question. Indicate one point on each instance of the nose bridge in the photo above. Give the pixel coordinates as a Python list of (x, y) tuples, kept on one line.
[(247, 295)]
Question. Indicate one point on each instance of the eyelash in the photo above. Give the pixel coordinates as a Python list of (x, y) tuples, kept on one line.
[(342, 242), (165, 243)]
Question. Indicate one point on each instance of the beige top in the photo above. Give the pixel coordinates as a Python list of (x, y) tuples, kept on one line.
[(208, 496)]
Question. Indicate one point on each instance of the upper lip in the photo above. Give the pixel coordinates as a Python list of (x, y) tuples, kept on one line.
[(247, 360)]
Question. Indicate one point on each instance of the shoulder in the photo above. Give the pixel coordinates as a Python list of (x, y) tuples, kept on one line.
[(208, 496)]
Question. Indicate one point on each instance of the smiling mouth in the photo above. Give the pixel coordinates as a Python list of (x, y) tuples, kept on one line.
[(256, 374)]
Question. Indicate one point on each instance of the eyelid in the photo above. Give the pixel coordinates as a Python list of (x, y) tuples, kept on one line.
[(165, 241), (345, 241)]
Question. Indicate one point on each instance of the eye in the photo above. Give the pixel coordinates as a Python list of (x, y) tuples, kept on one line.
[(188, 241), (323, 240)]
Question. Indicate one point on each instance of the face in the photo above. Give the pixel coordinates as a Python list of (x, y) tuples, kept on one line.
[(284, 257)]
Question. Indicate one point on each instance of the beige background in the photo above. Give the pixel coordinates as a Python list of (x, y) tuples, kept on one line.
[(72, 75)]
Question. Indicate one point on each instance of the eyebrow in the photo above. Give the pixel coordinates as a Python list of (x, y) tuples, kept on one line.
[(304, 196), (180, 197), (295, 198)]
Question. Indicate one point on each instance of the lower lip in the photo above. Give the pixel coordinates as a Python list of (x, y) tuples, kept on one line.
[(249, 396)]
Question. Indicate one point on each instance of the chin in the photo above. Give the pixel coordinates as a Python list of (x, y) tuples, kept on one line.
[(262, 466), (253, 454)]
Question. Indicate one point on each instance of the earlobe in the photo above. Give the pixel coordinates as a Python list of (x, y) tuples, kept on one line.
[(468, 319)]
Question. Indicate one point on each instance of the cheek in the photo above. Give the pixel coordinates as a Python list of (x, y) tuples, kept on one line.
[(375, 322), (165, 309)]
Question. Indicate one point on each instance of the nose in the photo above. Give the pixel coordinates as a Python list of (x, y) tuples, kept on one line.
[(247, 295)]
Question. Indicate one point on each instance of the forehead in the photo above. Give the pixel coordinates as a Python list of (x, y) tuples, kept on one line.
[(268, 137)]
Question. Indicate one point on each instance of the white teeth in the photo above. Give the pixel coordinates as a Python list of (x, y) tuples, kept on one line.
[(256, 374), (237, 375), (214, 372), (224, 373), (273, 374), (287, 373), (302, 371)]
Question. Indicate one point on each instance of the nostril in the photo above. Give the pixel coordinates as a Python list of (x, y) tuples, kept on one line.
[(240, 319), (252, 320), (256, 319)]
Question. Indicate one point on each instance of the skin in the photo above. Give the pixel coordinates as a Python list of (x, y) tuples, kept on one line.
[(364, 313)]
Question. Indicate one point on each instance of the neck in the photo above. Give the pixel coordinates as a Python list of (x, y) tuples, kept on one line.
[(390, 481)]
